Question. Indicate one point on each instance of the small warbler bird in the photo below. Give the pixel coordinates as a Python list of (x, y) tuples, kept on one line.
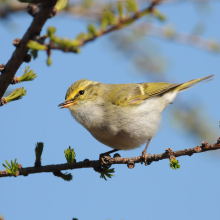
[(122, 116)]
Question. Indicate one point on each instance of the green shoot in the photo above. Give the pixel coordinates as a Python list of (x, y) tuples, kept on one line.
[(34, 45), (92, 29), (120, 9), (61, 4), (50, 31), (34, 53), (12, 168), (131, 5), (38, 150), (16, 94), (65, 42), (67, 176), (49, 61), (28, 75), (106, 172), (174, 164), (70, 155)]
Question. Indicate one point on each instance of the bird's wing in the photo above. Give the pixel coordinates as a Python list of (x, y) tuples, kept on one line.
[(132, 94)]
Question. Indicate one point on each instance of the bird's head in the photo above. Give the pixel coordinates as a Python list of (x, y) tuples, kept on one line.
[(80, 92)]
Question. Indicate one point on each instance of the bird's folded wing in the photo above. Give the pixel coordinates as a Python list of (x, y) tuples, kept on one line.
[(133, 94)]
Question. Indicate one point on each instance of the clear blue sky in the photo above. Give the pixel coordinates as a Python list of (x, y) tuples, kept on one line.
[(154, 192)]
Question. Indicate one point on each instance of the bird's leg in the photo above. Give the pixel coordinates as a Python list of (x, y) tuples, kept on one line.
[(144, 153), (101, 156)]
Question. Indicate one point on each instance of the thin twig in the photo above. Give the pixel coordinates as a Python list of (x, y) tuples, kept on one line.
[(119, 25), (154, 30), (117, 160)]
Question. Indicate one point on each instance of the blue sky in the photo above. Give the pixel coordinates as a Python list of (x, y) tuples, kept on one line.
[(154, 192)]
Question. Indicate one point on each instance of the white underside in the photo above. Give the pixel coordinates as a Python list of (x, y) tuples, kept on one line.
[(128, 127)]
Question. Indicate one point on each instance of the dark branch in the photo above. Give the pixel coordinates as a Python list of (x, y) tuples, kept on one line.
[(169, 154), (21, 50)]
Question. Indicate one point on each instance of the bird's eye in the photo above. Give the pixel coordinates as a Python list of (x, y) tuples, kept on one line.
[(81, 92)]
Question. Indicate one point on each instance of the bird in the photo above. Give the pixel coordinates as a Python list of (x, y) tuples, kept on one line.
[(122, 116)]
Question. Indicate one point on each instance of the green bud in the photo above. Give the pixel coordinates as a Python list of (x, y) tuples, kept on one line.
[(111, 17), (104, 23), (174, 164), (61, 4), (39, 150), (12, 168), (34, 53), (70, 155), (82, 36), (67, 176), (106, 172), (65, 42), (28, 75), (35, 45), (108, 19), (120, 8), (49, 61), (51, 31), (92, 30), (16, 94), (131, 5)]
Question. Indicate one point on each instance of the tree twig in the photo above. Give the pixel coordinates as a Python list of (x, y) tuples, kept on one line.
[(20, 52), (154, 30), (169, 154), (121, 22)]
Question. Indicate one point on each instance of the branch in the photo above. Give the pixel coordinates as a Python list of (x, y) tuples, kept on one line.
[(123, 21), (118, 24), (21, 50), (150, 29), (94, 13), (116, 160), (77, 10)]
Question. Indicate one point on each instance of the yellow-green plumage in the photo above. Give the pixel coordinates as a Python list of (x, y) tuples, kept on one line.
[(122, 116), (130, 94)]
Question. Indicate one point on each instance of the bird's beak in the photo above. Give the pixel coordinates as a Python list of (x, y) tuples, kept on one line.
[(66, 104)]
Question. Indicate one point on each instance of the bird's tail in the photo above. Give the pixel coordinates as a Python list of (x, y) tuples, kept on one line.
[(192, 83)]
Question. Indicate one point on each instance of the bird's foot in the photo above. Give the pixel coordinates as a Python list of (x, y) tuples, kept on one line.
[(144, 157), (104, 157)]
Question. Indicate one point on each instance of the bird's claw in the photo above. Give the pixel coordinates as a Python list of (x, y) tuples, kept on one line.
[(144, 158), (104, 159)]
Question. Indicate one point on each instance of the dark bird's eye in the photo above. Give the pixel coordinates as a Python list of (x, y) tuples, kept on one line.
[(81, 92)]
